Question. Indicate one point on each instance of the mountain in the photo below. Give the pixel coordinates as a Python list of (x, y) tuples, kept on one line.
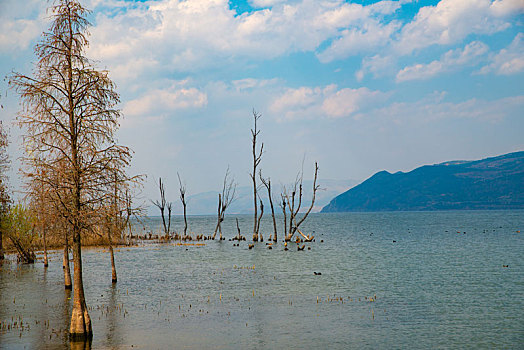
[(492, 183), (206, 202)]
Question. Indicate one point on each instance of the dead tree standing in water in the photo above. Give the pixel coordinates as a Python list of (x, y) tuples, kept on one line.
[(184, 204), (162, 204), (257, 157), (224, 200), (267, 184), (290, 202)]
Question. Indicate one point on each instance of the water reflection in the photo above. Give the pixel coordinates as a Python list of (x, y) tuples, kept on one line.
[(113, 323), (80, 345)]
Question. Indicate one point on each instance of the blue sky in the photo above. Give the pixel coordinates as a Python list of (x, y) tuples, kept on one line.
[(359, 86)]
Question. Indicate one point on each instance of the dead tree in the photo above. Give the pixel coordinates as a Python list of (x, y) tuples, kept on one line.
[(261, 237), (184, 204), (267, 184), (283, 206), (69, 117), (4, 194), (224, 200), (257, 157), (162, 204), (294, 206)]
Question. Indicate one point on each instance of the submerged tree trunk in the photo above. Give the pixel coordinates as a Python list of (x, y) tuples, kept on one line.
[(1, 245), (261, 237), (65, 266), (113, 268), (80, 321), (46, 263), (219, 217), (184, 204)]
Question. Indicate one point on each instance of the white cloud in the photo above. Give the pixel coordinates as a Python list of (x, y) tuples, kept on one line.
[(162, 102), (265, 3), (502, 8), (376, 65), (250, 83), (450, 61), (371, 35), (189, 35), (450, 21), (329, 101), (433, 108), (509, 60), (18, 31)]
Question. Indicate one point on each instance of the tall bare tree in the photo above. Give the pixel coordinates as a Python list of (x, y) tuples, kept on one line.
[(267, 184), (224, 200), (257, 157), (4, 194), (184, 203), (69, 116), (161, 205)]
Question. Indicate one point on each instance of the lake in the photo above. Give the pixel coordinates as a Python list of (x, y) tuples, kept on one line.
[(413, 280)]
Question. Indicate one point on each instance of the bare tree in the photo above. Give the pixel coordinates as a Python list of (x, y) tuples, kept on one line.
[(70, 119), (283, 206), (257, 157), (4, 194), (267, 184), (162, 204), (184, 204), (261, 237), (224, 200), (294, 203)]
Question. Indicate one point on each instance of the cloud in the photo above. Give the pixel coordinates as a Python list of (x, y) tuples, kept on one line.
[(377, 65), (187, 36), (451, 21), (329, 101), (366, 38), (161, 102), (449, 61), (265, 3), (16, 33), (509, 60), (433, 108)]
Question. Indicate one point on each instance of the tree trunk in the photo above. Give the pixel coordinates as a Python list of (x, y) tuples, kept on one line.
[(113, 268), (259, 220), (65, 266), (219, 216), (1, 245), (80, 321), (46, 263), (185, 218), (255, 204)]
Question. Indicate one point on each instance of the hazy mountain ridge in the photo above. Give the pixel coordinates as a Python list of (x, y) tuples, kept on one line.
[(206, 203), (492, 183)]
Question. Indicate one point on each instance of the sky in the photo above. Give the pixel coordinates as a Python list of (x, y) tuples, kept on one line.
[(359, 86)]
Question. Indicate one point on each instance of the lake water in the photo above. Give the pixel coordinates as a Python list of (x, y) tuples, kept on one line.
[(438, 278)]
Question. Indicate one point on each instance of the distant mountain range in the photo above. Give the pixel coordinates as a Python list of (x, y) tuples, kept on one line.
[(492, 183), (206, 203)]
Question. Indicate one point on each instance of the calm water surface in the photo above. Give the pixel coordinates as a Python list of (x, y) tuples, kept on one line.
[(438, 278)]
